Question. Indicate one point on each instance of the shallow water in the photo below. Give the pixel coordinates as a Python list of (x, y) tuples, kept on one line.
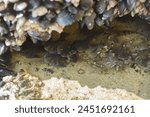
[(97, 64)]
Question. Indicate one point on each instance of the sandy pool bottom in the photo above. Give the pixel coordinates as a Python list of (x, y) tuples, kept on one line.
[(129, 79)]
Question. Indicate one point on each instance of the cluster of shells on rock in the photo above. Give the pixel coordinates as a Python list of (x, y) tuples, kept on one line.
[(37, 19)]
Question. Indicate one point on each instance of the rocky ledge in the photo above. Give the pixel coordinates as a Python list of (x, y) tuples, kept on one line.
[(31, 87)]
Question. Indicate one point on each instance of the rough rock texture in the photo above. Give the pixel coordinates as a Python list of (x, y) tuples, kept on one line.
[(30, 87), (20, 87)]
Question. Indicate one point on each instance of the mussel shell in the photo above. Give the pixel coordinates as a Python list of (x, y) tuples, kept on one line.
[(64, 18), (86, 4), (41, 36), (52, 5), (108, 15), (3, 48), (147, 18), (90, 21), (32, 4), (147, 4), (6, 72), (101, 6), (44, 23), (55, 60), (79, 16), (4, 62), (50, 15), (5, 58), (99, 21), (72, 10), (121, 6), (3, 27), (130, 5), (30, 17)]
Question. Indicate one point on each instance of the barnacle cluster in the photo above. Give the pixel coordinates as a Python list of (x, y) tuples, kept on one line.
[(37, 19)]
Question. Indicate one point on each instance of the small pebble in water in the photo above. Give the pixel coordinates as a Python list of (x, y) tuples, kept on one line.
[(81, 71)]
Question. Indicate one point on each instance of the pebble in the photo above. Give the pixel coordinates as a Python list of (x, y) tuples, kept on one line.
[(81, 71)]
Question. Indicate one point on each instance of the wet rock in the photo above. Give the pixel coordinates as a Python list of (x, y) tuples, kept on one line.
[(30, 87)]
